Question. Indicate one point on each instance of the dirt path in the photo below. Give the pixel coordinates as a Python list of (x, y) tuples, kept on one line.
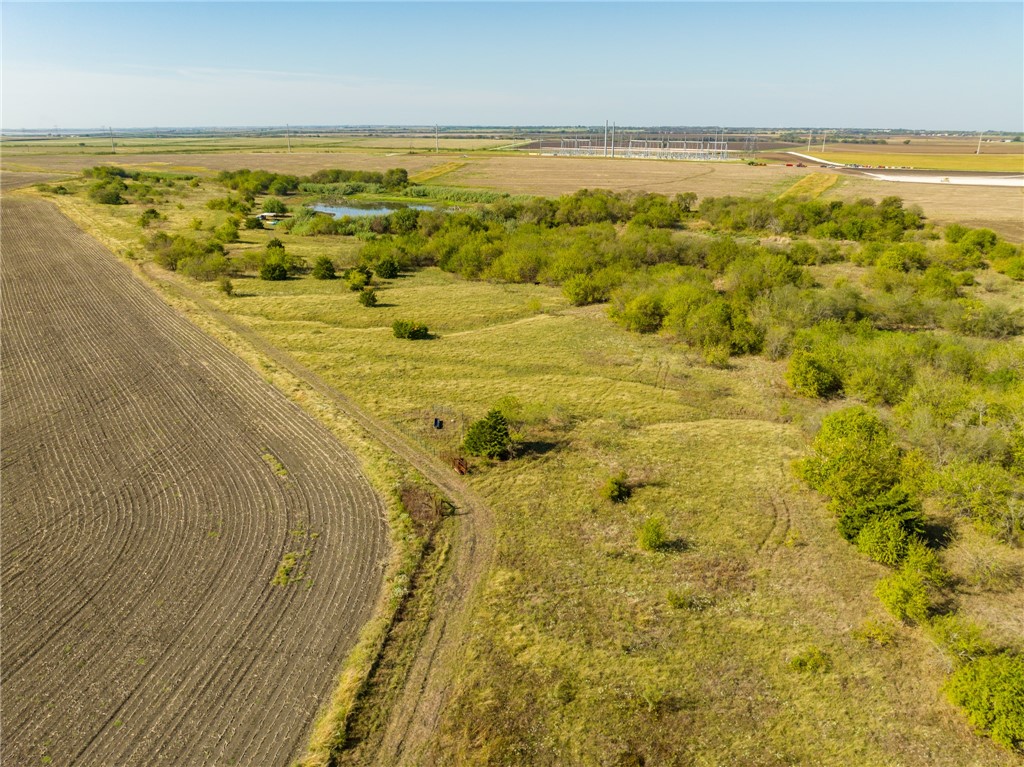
[(152, 484), (426, 690)]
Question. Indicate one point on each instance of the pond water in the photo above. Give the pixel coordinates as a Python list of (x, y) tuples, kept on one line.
[(365, 209)]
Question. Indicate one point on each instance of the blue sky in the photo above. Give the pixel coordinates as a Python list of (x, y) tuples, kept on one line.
[(957, 66)]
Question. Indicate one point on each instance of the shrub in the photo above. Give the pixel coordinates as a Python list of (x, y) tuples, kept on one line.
[(225, 286), (955, 232), (275, 254), (172, 252), (583, 289), (813, 660), (239, 205), (709, 326), (273, 270), (205, 267), (1011, 267), (905, 595), (409, 329), (149, 216), (368, 297), (108, 192), (489, 437), (922, 560), (252, 222), (895, 503), (686, 599), (617, 489), (984, 493), (812, 377), (875, 632), (884, 539), (938, 282), (642, 314), (226, 232), (274, 205), (975, 318), (883, 374), (323, 269), (991, 691), (959, 637), (357, 279), (652, 535), (386, 268), (854, 458)]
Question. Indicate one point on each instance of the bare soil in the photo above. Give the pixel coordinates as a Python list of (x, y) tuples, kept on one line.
[(152, 484)]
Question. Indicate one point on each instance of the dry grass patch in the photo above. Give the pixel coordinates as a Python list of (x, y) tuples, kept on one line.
[(436, 172), (811, 186)]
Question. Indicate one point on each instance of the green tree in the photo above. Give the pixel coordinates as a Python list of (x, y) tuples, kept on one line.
[(894, 504), (489, 437), (854, 458), (323, 269), (396, 178), (273, 270)]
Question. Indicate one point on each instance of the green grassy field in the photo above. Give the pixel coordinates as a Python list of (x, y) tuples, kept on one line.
[(586, 648), (578, 623), (984, 162)]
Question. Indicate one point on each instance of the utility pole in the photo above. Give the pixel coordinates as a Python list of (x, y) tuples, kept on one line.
[(979, 143), (613, 140), (437, 144), (809, 137), (605, 138), (823, 135), (288, 136), (112, 149)]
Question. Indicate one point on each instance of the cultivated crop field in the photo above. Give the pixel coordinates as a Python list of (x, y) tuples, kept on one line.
[(187, 556)]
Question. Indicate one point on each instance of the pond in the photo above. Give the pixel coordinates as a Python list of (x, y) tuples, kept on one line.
[(352, 208)]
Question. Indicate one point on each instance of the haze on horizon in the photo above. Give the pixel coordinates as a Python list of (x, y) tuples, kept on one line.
[(937, 66)]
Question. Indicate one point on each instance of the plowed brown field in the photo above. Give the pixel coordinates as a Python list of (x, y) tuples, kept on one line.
[(151, 486)]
